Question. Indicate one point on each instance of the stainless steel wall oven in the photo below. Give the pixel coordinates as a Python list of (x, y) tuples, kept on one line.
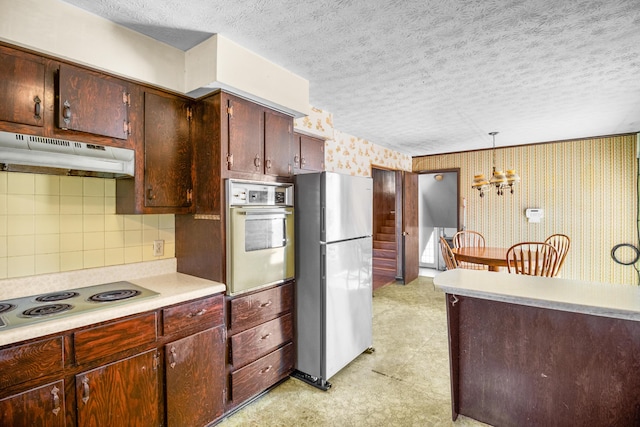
[(260, 235)]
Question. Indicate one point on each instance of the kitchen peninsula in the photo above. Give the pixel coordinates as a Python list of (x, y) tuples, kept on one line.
[(542, 351)]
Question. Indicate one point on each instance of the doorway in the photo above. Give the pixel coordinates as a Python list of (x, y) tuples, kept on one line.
[(395, 226), (438, 208), (385, 245)]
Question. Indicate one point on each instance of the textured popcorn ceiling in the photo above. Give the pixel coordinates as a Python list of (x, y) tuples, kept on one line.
[(434, 76)]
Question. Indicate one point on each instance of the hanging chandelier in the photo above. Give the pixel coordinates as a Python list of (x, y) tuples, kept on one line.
[(499, 179)]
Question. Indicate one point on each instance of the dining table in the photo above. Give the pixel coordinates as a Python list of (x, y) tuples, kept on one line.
[(493, 257)]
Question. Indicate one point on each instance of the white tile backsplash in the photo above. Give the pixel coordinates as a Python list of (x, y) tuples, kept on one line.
[(52, 224)]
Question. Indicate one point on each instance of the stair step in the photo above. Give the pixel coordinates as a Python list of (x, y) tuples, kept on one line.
[(384, 253), (384, 263), (382, 271), (379, 244), (386, 237), (387, 230)]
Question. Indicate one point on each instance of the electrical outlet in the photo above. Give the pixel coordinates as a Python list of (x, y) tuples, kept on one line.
[(158, 247)]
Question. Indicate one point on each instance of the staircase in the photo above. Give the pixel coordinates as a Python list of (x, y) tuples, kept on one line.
[(384, 252)]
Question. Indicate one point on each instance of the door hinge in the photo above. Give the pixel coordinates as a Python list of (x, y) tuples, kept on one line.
[(126, 99), (230, 159), (156, 360), (126, 127), (230, 111), (189, 113), (189, 196)]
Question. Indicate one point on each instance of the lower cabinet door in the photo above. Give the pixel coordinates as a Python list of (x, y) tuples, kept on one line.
[(123, 393), (194, 376), (42, 406)]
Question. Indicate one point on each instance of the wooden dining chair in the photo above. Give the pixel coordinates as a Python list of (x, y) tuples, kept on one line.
[(561, 242), (449, 258), (468, 238), (533, 259)]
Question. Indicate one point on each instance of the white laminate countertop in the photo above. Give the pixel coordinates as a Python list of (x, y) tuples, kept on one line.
[(599, 299), (172, 288)]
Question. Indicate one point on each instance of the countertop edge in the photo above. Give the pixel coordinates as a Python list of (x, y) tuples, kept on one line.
[(591, 298), (172, 288)]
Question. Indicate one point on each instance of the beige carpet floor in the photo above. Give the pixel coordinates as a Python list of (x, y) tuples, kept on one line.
[(405, 382)]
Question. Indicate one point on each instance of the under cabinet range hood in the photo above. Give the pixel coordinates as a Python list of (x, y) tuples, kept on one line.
[(37, 154)]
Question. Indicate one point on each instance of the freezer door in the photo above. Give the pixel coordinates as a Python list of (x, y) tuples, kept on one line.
[(348, 302), (347, 205)]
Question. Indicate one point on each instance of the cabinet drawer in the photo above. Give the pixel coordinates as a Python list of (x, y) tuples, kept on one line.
[(254, 309), (261, 374), (100, 341), (203, 313), (256, 342), (29, 361)]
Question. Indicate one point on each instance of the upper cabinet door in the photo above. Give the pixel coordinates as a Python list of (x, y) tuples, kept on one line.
[(246, 135), (22, 89), (87, 102), (167, 151), (278, 136), (311, 153)]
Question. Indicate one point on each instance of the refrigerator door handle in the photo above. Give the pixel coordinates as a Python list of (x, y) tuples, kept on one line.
[(323, 262), (322, 222)]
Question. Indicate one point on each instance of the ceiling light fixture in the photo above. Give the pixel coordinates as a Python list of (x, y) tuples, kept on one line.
[(499, 179)]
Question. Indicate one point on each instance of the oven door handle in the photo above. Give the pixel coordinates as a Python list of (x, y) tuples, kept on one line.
[(264, 214)]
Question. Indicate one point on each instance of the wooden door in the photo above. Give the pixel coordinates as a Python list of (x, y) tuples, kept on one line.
[(167, 151), (410, 250), (195, 380), (121, 393), (41, 406), (88, 102), (278, 135), (246, 135), (311, 153), (22, 89)]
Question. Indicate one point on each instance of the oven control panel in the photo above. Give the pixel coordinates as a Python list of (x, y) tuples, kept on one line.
[(258, 193)]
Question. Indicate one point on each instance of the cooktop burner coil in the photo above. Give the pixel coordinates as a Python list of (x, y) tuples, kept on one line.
[(57, 296), (5, 306), (46, 310), (115, 295)]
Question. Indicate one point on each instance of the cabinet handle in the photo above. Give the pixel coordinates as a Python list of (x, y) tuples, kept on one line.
[(37, 108), (296, 159), (303, 161), (85, 389), (197, 313), (264, 337), (267, 369), (150, 194), (56, 400), (172, 362), (256, 161), (268, 163), (266, 304), (66, 112)]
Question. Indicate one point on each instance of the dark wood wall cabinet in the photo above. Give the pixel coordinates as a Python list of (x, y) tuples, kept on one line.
[(308, 153), (256, 140), (260, 331), (163, 367), (164, 180), (46, 97)]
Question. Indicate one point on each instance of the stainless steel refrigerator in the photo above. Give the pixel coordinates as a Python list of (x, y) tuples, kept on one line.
[(333, 273)]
